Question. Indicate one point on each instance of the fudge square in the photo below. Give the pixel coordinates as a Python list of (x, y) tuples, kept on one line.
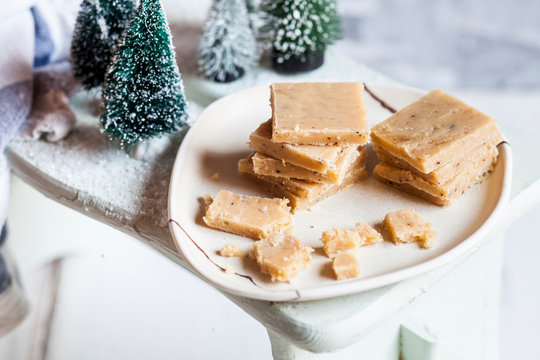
[(249, 216), (434, 130), (326, 113)]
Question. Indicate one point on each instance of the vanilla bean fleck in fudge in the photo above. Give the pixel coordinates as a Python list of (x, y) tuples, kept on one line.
[(311, 157), (324, 113), (250, 216), (405, 226), (282, 256), (337, 240), (434, 130), (345, 266)]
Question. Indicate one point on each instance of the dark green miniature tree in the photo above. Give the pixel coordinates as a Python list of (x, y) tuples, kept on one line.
[(98, 29), (143, 93), (299, 28)]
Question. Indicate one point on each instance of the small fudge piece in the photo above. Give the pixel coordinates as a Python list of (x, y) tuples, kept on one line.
[(269, 166), (281, 256), (434, 130), (345, 266), (231, 250), (303, 194), (318, 113), (407, 226), (366, 234), (249, 216), (440, 194), (443, 174), (312, 157), (337, 240), (229, 269)]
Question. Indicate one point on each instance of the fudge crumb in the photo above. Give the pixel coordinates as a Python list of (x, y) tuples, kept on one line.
[(215, 176), (207, 199), (231, 250), (229, 269)]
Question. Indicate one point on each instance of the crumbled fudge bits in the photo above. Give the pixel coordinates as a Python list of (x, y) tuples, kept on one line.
[(282, 256), (231, 250), (345, 265), (337, 240), (215, 176), (367, 235), (318, 113), (407, 226), (249, 216)]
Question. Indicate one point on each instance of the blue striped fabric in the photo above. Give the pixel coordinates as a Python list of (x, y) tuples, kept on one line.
[(5, 276)]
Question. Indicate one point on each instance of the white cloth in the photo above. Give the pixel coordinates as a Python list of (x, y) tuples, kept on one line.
[(30, 37)]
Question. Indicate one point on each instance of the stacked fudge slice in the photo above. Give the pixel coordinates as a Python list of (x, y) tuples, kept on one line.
[(312, 146), (436, 148)]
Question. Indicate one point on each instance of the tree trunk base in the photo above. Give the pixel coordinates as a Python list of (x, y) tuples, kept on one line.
[(231, 77), (294, 64)]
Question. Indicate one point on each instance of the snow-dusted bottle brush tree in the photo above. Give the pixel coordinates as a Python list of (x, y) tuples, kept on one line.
[(98, 29), (300, 31), (143, 94), (227, 47)]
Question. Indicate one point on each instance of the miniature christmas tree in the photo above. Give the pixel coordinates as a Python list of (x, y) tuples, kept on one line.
[(228, 45), (143, 92), (301, 30), (98, 28)]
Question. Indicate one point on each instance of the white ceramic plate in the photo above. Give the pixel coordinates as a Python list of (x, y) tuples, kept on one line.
[(218, 140)]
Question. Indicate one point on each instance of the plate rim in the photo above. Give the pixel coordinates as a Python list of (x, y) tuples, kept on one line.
[(465, 247)]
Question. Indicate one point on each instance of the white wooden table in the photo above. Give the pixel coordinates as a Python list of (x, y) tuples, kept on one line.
[(448, 313)]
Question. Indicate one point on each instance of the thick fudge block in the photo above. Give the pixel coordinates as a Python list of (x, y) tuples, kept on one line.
[(434, 131), (318, 113)]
